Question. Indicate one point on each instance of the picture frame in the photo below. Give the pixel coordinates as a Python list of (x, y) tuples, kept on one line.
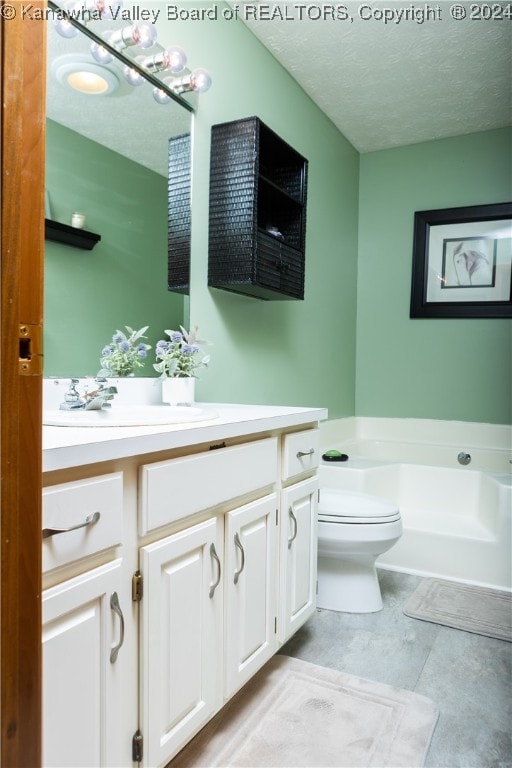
[(462, 262)]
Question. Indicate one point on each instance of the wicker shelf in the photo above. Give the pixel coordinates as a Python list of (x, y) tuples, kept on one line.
[(178, 214), (257, 221), (64, 233)]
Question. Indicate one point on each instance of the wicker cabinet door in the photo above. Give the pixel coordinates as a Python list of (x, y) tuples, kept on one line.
[(257, 225)]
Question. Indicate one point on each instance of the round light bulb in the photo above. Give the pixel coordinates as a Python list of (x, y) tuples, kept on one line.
[(200, 80), (143, 34), (131, 75), (101, 54), (65, 28), (175, 59), (107, 8), (160, 96)]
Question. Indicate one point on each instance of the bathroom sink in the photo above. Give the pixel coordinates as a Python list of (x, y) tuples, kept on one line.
[(129, 416)]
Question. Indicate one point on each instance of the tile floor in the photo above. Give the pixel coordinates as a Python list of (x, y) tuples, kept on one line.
[(469, 676)]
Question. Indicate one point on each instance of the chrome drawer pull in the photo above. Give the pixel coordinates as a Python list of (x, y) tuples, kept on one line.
[(295, 528), (214, 556), (238, 544), (116, 608), (89, 520), (300, 454)]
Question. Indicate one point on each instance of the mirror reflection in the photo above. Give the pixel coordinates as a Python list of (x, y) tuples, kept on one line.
[(106, 170)]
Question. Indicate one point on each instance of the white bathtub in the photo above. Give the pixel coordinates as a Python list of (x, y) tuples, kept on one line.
[(456, 519)]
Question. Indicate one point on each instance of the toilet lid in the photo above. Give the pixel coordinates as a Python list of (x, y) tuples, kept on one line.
[(340, 506)]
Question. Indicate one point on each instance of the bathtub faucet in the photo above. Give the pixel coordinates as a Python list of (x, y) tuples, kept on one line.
[(464, 458)]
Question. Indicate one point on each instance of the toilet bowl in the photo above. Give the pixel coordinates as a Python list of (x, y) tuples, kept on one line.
[(353, 530)]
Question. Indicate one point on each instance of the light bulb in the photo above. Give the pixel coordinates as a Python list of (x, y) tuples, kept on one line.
[(172, 59), (200, 80), (142, 33), (131, 75), (160, 96), (107, 8), (101, 54), (64, 27)]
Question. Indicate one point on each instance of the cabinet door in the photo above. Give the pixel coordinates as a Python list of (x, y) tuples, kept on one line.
[(81, 684), (251, 590), (298, 555), (181, 638)]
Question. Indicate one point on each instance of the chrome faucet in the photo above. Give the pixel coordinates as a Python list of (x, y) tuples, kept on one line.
[(89, 401)]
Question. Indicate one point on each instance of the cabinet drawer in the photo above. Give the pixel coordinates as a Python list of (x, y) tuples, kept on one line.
[(174, 489), (301, 452), (71, 506)]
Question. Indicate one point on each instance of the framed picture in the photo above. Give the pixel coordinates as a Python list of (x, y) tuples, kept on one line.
[(462, 262)]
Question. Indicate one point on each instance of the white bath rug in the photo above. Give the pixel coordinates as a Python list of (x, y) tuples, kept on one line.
[(294, 714), (461, 606)]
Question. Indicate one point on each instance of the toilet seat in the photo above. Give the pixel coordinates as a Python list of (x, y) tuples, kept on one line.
[(352, 508)]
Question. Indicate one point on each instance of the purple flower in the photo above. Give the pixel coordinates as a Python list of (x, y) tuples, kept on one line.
[(187, 350), (161, 347), (176, 336), (106, 351), (124, 346), (117, 337)]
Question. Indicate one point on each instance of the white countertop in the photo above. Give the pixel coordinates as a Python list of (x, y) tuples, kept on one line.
[(65, 447)]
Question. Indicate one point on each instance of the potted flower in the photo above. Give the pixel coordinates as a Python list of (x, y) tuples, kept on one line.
[(178, 360), (124, 354)]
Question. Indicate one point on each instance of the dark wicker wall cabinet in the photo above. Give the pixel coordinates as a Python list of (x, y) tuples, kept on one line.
[(178, 214), (257, 225)]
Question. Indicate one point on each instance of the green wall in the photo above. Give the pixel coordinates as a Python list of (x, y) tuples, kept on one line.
[(277, 352), (123, 280), (287, 352), (427, 368)]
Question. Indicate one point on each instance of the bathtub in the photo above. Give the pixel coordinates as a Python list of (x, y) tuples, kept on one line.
[(456, 519)]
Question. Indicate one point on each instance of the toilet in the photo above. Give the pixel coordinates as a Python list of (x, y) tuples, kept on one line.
[(353, 530)]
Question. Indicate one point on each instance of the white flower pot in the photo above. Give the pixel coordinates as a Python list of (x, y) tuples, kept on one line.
[(178, 391)]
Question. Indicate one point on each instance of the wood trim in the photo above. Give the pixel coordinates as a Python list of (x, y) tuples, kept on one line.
[(22, 242)]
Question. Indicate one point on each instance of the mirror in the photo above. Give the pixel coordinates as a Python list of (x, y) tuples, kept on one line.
[(107, 159)]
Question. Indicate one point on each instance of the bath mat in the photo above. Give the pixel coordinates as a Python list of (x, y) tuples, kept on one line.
[(461, 606), (293, 714)]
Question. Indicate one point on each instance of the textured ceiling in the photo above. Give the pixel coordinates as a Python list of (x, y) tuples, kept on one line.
[(389, 84), (383, 85)]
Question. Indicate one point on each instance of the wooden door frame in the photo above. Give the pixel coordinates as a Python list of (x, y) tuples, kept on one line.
[(23, 58)]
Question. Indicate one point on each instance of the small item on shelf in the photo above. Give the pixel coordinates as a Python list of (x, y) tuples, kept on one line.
[(274, 231), (78, 220)]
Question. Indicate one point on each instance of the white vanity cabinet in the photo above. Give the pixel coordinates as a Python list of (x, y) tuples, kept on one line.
[(207, 538), (250, 590), (298, 544), (181, 637), (82, 675), (209, 608), (83, 624)]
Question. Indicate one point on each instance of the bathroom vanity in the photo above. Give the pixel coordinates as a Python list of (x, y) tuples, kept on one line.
[(189, 559)]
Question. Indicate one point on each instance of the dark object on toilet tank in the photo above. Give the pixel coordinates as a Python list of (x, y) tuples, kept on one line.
[(334, 455)]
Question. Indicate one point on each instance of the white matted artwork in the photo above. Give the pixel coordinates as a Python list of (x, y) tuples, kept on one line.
[(462, 262)]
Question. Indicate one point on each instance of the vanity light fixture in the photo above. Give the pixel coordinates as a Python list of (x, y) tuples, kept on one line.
[(110, 46)]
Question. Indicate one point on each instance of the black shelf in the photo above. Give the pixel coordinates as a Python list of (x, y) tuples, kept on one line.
[(64, 233), (178, 214), (258, 186)]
